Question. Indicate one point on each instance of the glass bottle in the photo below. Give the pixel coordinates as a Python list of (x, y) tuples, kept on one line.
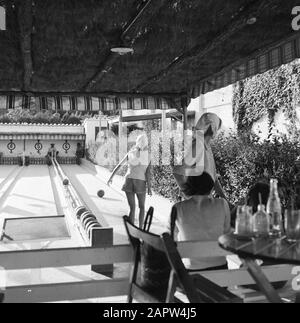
[(244, 221), (274, 209), (261, 222)]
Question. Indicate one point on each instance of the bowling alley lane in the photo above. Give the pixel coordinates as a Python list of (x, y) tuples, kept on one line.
[(110, 209), (31, 195), (5, 171)]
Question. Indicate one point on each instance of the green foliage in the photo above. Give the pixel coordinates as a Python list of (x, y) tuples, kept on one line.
[(163, 182), (263, 95), (42, 117), (242, 160), (72, 119)]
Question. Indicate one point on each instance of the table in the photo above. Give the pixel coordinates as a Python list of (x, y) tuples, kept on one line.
[(272, 250)]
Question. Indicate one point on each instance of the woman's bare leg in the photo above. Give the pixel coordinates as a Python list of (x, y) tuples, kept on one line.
[(131, 203), (141, 198)]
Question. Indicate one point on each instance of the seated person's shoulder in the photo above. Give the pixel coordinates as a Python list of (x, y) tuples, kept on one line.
[(223, 202), (219, 203)]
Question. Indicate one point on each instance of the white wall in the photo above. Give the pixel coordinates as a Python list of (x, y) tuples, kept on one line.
[(281, 124), (90, 126), (31, 151), (218, 102)]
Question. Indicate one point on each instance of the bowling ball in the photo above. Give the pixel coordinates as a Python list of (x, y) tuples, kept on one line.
[(100, 193), (66, 182)]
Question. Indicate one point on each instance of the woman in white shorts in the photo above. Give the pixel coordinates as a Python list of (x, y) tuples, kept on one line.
[(137, 178)]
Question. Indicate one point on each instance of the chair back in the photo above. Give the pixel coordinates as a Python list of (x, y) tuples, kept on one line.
[(138, 236), (178, 268), (151, 269), (197, 288)]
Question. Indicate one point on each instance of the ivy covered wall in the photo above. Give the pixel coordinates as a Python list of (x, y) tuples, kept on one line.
[(266, 94)]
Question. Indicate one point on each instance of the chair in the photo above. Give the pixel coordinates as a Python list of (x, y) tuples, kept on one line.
[(196, 288), (142, 242)]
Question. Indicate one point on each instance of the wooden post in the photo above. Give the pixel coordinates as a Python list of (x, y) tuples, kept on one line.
[(24, 153), (185, 118), (163, 122), (202, 108), (122, 138), (164, 139), (102, 238), (100, 124)]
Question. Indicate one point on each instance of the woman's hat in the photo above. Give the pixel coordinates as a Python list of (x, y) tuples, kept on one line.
[(209, 120)]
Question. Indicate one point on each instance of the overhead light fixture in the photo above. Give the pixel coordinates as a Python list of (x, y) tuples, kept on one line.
[(2, 18), (251, 21), (122, 50)]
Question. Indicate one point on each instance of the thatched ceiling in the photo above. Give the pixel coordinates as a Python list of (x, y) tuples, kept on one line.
[(64, 45)]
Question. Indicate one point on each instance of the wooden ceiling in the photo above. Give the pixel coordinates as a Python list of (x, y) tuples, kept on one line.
[(65, 45)]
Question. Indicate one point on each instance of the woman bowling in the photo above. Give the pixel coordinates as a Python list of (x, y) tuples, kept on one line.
[(137, 178)]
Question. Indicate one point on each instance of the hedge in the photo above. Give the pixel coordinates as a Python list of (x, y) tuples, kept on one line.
[(242, 159), (42, 117)]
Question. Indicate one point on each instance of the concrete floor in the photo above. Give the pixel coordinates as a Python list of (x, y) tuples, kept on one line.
[(32, 192)]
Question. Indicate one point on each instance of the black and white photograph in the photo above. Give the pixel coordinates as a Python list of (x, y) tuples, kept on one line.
[(149, 154)]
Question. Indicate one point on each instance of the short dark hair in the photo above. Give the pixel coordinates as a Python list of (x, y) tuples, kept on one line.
[(253, 194), (199, 185)]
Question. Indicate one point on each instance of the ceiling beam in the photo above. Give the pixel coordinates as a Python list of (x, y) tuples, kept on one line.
[(128, 36), (254, 9), (143, 17), (153, 116), (102, 70), (25, 22)]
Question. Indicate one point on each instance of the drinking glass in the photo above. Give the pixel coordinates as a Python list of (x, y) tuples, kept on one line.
[(292, 225), (244, 221)]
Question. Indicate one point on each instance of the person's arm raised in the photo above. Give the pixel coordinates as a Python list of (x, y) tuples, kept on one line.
[(109, 182)]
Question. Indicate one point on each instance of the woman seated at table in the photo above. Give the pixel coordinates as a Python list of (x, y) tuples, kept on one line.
[(201, 218)]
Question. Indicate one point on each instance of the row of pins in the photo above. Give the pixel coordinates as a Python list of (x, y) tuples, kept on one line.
[(37, 161), (67, 160), (9, 161)]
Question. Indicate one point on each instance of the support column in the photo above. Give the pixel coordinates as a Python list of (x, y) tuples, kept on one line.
[(163, 122), (100, 123), (201, 108), (165, 139), (185, 118), (122, 137)]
